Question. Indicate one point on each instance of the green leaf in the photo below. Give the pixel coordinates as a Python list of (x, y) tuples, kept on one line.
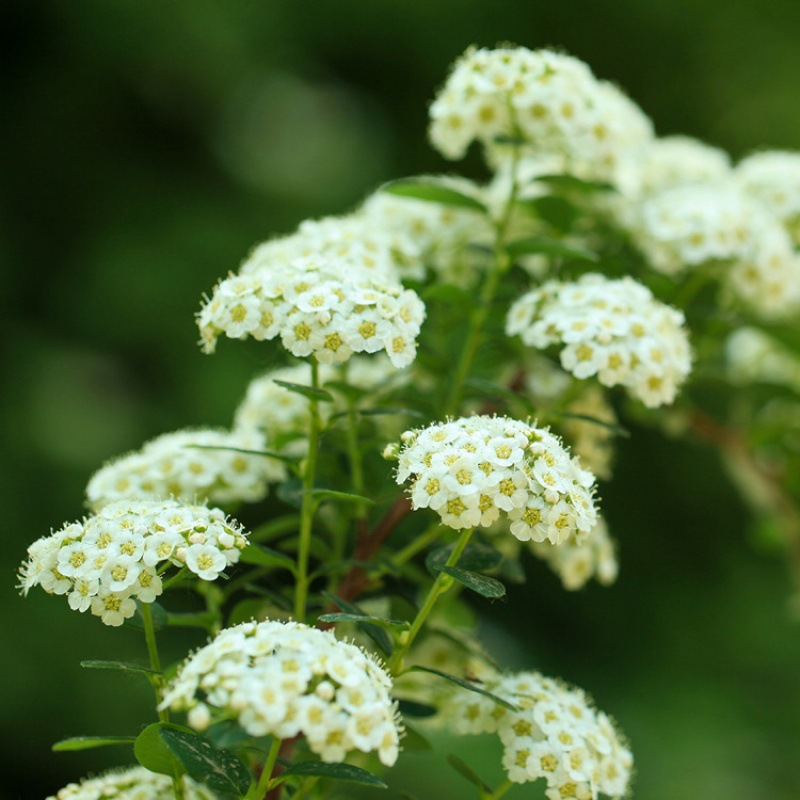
[(556, 211), (341, 616), (414, 740), (337, 772), (291, 492), (246, 610), (463, 769), (548, 247), (376, 633), (217, 769), (264, 453), (571, 183), (158, 613), (260, 556), (353, 392), (615, 428), (121, 666), (227, 733), (342, 497), (411, 708), (152, 752), (432, 192), (475, 556), (482, 584), (377, 412), (89, 742), (465, 684), (450, 294), (275, 528), (311, 392)]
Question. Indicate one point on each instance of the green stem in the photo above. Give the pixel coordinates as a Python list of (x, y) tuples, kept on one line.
[(305, 788), (499, 791), (442, 583), (354, 456), (418, 544), (157, 682), (309, 505), (258, 791), (480, 312)]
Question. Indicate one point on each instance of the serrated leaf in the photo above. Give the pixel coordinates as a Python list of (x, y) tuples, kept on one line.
[(471, 686), (311, 392), (217, 769), (260, 556), (474, 556), (342, 616), (121, 666), (158, 613), (432, 192), (337, 772), (89, 742), (463, 769), (481, 584), (411, 708), (572, 183), (548, 247), (375, 632), (152, 752), (342, 497)]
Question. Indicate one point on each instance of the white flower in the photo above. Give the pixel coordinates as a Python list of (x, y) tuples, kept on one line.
[(114, 557), (133, 783), (285, 679), (614, 329), (472, 469)]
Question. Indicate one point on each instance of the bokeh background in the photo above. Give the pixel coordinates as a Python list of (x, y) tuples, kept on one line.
[(146, 145)]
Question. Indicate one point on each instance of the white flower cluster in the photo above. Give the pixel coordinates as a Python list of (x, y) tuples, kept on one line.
[(118, 555), (755, 357), (179, 465), (614, 329), (552, 101), (774, 178), (135, 783), (577, 562), (326, 308), (285, 679), (469, 470), (556, 734)]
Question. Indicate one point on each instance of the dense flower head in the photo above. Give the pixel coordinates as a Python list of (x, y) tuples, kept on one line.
[(555, 734), (614, 329), (285, 679), (328, 308), (551, 101), (135, 783), (383, 252), (117, 556), (472, 470), (774, 178), (189, 465)]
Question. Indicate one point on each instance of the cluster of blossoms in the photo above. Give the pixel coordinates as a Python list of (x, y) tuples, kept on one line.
[(614, 329), (286, 679), (117, 556), (136, 783), (552, 102), (471, 469), (189, 465), (328, 308), (555, 734), (755, 357)]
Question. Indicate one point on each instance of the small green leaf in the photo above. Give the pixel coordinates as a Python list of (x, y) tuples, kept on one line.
[(570, 182), (121, 666), (376, 412), (246, 610), (432, 192), (615, 428), (556, 211), (353, 392), (337, 772), (342, 497), (291, 492), (275, 528), (376, 633), (311, 392), (151, 751), (549, 247), (465, 684), (475, 556), (260, 556), (89, 742), (463, 769), (158, 613), (414, 740), (217, 769), (341, 616), (482, 584), (227, 733), (411, 708), (263, 453)]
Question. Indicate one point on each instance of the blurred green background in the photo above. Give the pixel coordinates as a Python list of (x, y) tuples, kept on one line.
[(147, 145)]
